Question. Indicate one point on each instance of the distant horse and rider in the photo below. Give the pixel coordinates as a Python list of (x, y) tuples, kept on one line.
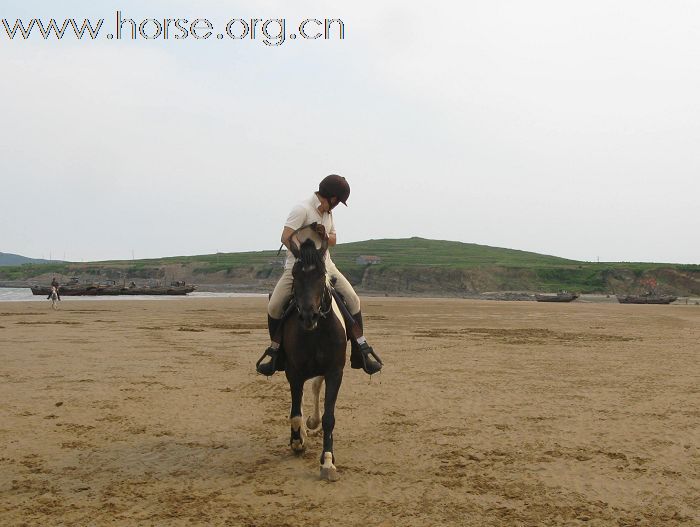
[(54, 298), (54, 295)]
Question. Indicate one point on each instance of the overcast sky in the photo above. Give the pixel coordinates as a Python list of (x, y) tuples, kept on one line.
[(566, 128)]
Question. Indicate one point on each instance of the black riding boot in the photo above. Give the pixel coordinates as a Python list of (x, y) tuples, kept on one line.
[(277, 358), (362, 355)]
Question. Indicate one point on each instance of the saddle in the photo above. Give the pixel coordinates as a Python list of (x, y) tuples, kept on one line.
[(290, 307)]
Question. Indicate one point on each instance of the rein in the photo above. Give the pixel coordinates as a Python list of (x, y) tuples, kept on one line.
[(327, 296), (295, 232)]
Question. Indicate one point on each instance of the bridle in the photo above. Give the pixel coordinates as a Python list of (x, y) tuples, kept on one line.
[(327, 298), (324, 244), (326, 295)]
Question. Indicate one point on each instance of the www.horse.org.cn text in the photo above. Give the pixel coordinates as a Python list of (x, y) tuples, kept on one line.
[(270, 31)]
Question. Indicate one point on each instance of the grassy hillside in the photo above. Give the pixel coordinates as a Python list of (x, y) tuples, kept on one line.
[(405, 264), (439, 253), (403, 252)]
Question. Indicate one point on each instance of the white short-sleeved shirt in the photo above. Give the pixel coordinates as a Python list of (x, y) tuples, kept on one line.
[(306, 213)]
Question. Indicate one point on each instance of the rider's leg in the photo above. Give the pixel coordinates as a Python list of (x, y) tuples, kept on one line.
[(275, 310), (361, 354)]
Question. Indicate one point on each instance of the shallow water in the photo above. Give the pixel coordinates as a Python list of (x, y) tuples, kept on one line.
[(17, 294)]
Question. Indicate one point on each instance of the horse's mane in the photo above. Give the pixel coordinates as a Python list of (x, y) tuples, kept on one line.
[(310, 256)]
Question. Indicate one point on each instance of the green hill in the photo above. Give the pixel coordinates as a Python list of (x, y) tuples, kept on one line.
[(7, 259), (439, 253), (406, 266)]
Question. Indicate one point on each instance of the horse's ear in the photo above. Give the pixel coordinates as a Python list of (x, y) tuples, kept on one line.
[(324, 247)]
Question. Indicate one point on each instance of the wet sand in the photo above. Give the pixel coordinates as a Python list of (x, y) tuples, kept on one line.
[(487, 413)]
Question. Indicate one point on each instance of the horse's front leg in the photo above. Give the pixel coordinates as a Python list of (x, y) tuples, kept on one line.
[(328, 470), (298, 438), (314, 420)]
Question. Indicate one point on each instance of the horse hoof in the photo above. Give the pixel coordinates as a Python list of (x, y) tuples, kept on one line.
[(328, 470), (330, 474), (298, 446), (312, 424)]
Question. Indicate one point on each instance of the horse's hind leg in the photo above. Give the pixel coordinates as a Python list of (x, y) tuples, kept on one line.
[(314, 420), (328, 470), (296, 420)]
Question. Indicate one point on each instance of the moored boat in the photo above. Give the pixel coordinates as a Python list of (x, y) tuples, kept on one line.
[(561, 296), (646, 299), (176, 288)]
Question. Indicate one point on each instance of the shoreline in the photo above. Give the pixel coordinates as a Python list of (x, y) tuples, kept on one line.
[(231, 292)]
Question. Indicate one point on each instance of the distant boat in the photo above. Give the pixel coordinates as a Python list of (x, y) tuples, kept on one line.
[(111, 289), (648, 298), (561, 296)]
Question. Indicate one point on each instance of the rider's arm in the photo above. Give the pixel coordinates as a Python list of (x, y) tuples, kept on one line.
[(288, 232), (296, 218), (286, 235), (331, 233)]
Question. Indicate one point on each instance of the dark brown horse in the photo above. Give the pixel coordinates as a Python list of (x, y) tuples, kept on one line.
[(315, 343)]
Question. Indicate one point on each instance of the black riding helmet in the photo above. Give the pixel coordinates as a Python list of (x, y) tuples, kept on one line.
[(335, 185)]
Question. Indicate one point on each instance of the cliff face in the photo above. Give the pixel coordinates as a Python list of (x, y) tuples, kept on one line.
[(670, 281), (453, 282), (465, 282), (398, 280)]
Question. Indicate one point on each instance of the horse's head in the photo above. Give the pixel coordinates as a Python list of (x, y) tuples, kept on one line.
[(310, 290)]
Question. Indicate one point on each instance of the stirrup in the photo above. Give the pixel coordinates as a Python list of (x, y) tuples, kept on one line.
[(268, 368), (366, 353)]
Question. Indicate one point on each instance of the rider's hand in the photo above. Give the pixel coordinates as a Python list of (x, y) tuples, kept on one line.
[(320, 230)]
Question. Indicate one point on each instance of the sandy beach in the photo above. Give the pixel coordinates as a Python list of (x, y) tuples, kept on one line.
[(486, 413)]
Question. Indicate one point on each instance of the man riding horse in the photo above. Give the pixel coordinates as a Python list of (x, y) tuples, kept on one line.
[(317, 211), (57, 286)]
